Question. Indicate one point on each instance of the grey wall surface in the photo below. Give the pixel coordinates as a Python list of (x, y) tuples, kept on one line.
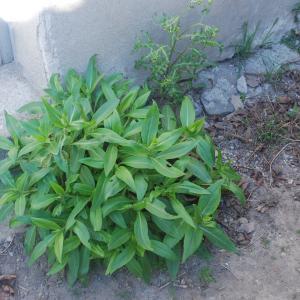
[(58, 39), (6, 53)]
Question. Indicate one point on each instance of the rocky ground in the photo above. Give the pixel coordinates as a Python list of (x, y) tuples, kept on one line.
[(253, 112)]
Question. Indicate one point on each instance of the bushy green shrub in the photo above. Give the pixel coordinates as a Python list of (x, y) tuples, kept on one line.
[(98, 173), (173, 65)]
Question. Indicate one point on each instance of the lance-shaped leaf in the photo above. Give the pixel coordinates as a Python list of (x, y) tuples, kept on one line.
[(177, 150), (187, 187), (181, 212), (192, 240), (187, 112), (161, 166), (110, 158), (169, 118), (141, 231), (150, 125), (124, 174), (105, 110)]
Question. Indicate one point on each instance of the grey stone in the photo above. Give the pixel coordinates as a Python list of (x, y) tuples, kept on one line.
[(242, 85), (217, 100), (253, 80), (242, 220), (237, 102), (269, 60), (247, 227)]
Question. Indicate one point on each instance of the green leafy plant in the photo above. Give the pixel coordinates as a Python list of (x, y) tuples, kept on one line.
[(173, 66), (97, 174)]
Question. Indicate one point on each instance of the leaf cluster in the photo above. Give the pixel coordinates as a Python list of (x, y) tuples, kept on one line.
[(174, 64), (97, 173)]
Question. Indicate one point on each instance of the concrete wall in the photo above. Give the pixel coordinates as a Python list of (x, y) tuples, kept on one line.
[(6, 53), (59, 38)]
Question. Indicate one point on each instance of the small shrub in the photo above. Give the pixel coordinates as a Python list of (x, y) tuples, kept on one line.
[(99, 174), (172, 66)]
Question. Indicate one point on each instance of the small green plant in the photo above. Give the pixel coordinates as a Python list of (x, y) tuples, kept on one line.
[(294, 112), (173, 66), (274, 73), (246, 46), (97, 174), (270, 132), (205, 276), (292, 40)]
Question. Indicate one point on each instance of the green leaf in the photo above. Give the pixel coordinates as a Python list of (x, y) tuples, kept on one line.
[(91, 76), (187, 112), (30, 239), (124, 174), (5, 143), (135, 268), (209, 203), (41, 248), (141, 231), (105, 110), (118, 261), (20, 205), (114, 204), (199, 170), (92, 162), (58, 246), (73, 267), (80, 205), (162, 250), (169, 118), (119, 237), (108, 91), (71, 244), (118, 219), (187, 187), (206, 151), (167, 139), (182, 213), (13, 126), (218, 238), (86, 176), (177, 150), (5, 211), (192, 240), (38, 175), (109, 136), (5, 165), (57, 267), (110, 158), (158, 208), (45, 223), (84, 261), (237, 191), (141, 186), (39, 201), (97, 250), (30, 148), (174, 265), (58, 189), (142, 99), (54, 115), (96, 218), (34, 107), (161, 167), (138, 162), (83, 233), (128, 99), (150, 125)]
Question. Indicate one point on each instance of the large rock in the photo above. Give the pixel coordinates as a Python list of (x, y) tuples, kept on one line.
[(216, 101), (270, 60)]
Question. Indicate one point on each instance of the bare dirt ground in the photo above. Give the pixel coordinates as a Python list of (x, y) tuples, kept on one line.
[(262, 142)]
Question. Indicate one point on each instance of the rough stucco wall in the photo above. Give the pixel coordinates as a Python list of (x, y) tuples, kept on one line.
[(27, 50), (67, 38)]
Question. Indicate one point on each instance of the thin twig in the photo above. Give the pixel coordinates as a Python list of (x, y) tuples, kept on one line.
[(169, 282), (276, 156), (228, 269)]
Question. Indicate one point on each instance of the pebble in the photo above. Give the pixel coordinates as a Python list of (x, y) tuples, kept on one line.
[(242, 85), (242, 220), (247, 227)]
